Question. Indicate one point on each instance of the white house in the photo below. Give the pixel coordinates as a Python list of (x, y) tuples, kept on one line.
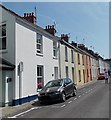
[(67, 67), (34, 53)]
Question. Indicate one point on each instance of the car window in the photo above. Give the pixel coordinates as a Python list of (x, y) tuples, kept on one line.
[(54, 83), (67, 81)]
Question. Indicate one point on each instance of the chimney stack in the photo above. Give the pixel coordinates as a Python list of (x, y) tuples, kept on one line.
[(50, 29), (81, 46), (74, 44), (30, 17), (65, 37)]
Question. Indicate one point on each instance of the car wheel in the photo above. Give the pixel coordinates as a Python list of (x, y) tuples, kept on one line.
[(63, 97)]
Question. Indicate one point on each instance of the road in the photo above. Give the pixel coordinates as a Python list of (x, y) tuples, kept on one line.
[(91, 101)]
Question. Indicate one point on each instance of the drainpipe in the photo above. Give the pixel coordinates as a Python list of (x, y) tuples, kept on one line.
[(20, 80)]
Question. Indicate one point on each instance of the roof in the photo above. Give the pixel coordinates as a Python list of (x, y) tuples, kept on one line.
[(5, 65), (36, 27)]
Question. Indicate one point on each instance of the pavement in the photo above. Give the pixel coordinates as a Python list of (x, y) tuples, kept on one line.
[(11, 110)]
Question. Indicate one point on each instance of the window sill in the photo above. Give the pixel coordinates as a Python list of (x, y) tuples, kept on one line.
[(55, 57), (39, 54), (3, 51)]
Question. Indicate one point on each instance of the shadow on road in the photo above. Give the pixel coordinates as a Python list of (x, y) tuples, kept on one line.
[(48, 103)]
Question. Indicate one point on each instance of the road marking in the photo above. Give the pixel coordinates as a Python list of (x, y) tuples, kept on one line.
[(79, 96), (15, 116), (63, 105), (69, 101), (86, 91), (75, 98), (83, 94)]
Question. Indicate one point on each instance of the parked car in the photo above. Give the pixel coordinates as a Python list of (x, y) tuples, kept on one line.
[(57, 90), (101, 76)]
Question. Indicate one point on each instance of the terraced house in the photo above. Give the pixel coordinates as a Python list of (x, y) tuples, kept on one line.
[(30, 56), (32, 51)]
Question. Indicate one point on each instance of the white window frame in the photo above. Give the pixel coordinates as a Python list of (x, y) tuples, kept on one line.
[(40, 76), (55, 49), (66, 54), (40, 43), (1, 37), (72, 56)]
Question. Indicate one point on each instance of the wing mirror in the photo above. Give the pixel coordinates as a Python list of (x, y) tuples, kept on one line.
[(65, 84)]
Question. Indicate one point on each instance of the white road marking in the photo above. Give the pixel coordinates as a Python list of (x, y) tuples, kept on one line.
[(83, 94), (79, 96), (86, 91), (15, 116), (75, 98), (63, 105), (69, 101)]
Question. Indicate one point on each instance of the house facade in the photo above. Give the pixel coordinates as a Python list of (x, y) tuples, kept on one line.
[(33, 51), (67, 63)]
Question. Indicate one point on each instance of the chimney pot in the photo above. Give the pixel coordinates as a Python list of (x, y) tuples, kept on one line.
[(30, 17), (24, 14), (32, 14)]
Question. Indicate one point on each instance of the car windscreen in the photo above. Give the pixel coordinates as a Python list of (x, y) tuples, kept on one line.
[(55, 83)]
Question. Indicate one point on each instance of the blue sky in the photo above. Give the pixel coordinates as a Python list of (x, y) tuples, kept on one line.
[(87, 23)]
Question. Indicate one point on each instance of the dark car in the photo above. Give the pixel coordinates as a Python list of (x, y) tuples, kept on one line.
[(101, 76), (57, 90)]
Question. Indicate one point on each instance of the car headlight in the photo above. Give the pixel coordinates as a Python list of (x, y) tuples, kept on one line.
[(57, 92)]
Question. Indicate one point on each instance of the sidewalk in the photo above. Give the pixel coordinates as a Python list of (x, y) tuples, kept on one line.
[(86, 84), (12, 110)]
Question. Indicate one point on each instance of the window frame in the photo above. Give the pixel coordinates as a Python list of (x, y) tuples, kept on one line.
[(78, 56), (72, 56), (40, 76), (2, 37), (54, 49), (79, 73), (39, 42), (66, 54)]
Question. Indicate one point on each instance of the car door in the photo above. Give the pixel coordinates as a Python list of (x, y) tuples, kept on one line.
[(67, 86), (71, 86)]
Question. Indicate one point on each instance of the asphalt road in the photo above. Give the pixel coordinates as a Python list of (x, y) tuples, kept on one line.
[(91, 102)]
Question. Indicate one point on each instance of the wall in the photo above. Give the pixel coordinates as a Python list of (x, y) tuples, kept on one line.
[(9, 19), (63, 63), (9, 53), (80, 67), (26, 52)]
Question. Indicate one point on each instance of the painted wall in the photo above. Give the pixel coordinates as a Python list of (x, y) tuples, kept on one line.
[(94, 68), (26, 52), (80, 67), (9, 53), (69, 63), (101, 66), (88, 62)]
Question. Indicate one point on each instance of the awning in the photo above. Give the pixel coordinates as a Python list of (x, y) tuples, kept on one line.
[(5, 65)]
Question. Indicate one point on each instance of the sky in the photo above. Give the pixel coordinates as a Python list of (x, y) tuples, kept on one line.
[(85, 22)]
